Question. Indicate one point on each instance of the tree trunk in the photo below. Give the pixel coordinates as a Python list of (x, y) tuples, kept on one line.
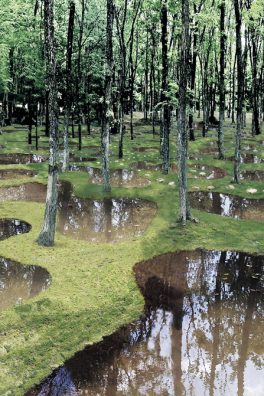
[(165, 130), (107, 105), (68, 93), (240, 91), (222, 82), (182, 119), (47, 234), (192, 78), (255, 104)]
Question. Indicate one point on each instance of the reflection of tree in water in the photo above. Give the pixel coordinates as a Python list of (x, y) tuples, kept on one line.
[(219, 326), (228, 205), (196, 335), (107, 219), (10, 227), (18, 282)]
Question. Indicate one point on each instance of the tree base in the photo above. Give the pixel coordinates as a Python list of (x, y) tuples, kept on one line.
[(45, 239)]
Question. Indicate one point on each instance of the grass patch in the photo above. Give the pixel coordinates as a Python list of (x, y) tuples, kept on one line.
[(93, 289)]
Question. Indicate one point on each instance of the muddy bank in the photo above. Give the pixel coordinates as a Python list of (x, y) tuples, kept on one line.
[(201, 333)]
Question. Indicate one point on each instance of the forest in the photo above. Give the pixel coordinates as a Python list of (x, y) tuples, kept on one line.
[(131, 197)]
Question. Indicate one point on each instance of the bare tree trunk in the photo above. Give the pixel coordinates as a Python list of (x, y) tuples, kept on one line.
[(47, 234), (222, 82), (107, 105), (182, 117), (165, 143), (68, 94), (240, 91)]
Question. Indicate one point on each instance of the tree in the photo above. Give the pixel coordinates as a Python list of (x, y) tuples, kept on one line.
[(165, 128), (182, 117), (222, 82), (68, 92), (47, 234), (107, 101), (240, 90)]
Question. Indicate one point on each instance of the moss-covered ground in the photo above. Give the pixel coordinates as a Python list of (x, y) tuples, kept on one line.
[(93, 289)]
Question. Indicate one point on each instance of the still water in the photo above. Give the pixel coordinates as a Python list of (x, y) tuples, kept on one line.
[(201, 334), (228, 205), (102, 220), (20, 282)]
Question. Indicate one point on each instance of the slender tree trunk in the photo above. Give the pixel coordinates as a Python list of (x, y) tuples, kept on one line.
[(79, 75), (240, 91), (222, 82), (68, 93), (192, 85), (107, 105), (47, 234), (165, 130), (255, 104), (182, 118)]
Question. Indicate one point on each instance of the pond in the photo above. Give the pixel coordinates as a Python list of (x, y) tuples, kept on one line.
[(228, 205), (102, 220), (6, 159), (118, 177), (146, 149), (20, 282), (201, 333), (10, 227), (256, 175), (16, 173), (106, 220), (205, 172)]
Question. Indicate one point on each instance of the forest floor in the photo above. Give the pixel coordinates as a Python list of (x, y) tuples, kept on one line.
[(93, 289)]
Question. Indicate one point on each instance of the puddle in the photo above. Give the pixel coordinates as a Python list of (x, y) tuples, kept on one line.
[(205, 172), (144, 165), (7, 159), (118, 178), (210, 149), (77, 158), (20, 282), (248, 159), (257, 175), (35, 192), (228, 205), (201, 334), (16, 173), (10, 227), (106, 220), (146, 149)]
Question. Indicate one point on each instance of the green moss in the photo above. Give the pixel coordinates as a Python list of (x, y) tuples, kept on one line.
[(93, 289)]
